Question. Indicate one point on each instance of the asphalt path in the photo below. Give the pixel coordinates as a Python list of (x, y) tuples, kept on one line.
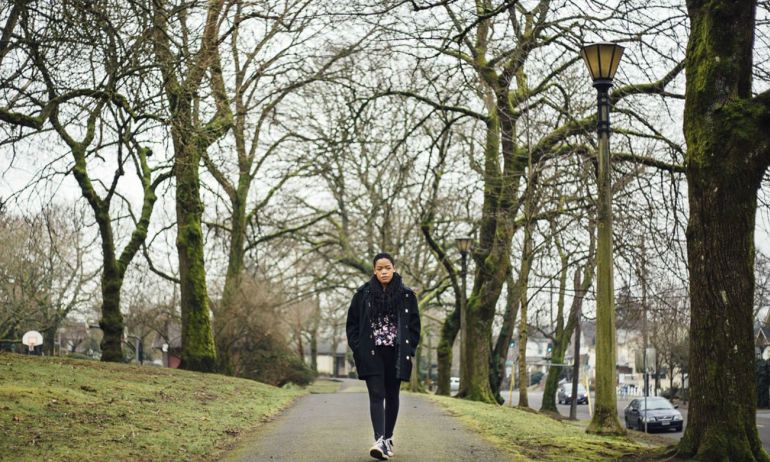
[(536, 399), (336, 427)]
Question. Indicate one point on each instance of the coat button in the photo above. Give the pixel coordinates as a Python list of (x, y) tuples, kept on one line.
[(407, 357), (407, 342), (406, 310), (370, 335), (372, 352)]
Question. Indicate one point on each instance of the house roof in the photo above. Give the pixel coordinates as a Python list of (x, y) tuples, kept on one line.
[(762, 335)]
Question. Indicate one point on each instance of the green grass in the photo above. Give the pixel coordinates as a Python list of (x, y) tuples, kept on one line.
[(324, 386), (74, 410), (528, 435)]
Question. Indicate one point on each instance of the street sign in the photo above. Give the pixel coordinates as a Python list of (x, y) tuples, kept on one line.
[(651, 357)]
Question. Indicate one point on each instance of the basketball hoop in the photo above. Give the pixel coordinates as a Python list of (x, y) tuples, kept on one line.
[(32, 339)]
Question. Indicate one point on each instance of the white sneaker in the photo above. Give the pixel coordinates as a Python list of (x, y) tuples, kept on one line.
[(389, 447), (379, 451)]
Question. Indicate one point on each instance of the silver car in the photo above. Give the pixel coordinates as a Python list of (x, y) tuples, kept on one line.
[(659, 415)]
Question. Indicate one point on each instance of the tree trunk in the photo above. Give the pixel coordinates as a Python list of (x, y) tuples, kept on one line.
[(198, 351), (558, 339), (191, 138), (721, 229), (582, 282), (314, 351), (223, 318), (111, 321), (725, 130), (500, 353), (314, 336), (449, 331), (492, 262), (526, 265), (49, 338), (414, 379)]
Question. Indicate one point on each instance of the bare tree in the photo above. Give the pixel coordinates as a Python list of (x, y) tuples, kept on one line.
[(45, 272), (98, 113)]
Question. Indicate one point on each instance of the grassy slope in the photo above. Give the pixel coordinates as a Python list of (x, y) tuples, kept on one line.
[(64, 409), (532, 436)]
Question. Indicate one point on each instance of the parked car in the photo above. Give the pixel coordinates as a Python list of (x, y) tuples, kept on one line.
[(564, 396), (660, 414), (454, 383)]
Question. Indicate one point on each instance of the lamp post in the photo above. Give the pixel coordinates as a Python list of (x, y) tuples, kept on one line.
[(464, 246), (602, 60)]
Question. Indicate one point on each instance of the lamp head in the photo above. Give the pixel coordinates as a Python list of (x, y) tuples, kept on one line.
[(602, 60), (464, 244)]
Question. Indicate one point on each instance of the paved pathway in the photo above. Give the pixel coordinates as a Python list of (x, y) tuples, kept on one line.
[(336, 428)]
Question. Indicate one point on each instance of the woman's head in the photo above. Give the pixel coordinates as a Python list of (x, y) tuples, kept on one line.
[(384, 266)]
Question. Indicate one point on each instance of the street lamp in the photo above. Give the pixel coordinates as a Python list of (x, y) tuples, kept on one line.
[(464, 246), (602, 60)]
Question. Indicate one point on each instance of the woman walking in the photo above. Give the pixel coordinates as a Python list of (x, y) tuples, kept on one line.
[(383, 329)]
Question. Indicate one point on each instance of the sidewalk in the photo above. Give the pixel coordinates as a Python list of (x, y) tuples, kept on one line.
[(336, 428)]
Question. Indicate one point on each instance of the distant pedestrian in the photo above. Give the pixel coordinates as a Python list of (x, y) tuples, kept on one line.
[(383, 329)]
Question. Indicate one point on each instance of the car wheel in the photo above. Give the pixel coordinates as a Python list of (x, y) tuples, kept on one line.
[(640, 425), (678, 429), (628, 425)]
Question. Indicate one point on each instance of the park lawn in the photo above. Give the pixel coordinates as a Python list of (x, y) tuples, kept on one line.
[(528, 435), (320, 386), (63, 409)]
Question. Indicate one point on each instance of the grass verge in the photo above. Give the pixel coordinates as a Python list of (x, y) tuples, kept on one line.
[(73, 410), (324, 386), (528, 435)]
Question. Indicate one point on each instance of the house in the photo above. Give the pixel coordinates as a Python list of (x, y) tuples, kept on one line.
[(331, 361), (169, 343), (762, 341), (538, 353)]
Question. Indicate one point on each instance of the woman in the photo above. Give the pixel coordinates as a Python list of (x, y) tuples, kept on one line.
[(383, 330)]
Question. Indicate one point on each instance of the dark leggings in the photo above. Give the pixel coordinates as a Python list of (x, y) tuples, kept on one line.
[(384, 388)]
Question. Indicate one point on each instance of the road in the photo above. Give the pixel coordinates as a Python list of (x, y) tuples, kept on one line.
[(536, 399), (336, 426)]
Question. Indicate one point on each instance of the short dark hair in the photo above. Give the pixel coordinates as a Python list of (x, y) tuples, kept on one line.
[(382, 255)]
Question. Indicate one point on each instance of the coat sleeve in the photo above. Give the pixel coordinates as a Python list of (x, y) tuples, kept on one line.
[(351, 326), (414, 321)]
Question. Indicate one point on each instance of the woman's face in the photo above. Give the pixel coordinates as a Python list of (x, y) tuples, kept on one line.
[(384, 270)]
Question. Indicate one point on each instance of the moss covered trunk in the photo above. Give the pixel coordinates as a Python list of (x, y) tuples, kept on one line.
[(492, 257), (523, 305), (728, 153), (449, 331), (560, 338), (198, 351), (225, 332), (721, 229), (562, 342), (503, 342), (111, 321), (582, 281), (191, 137)]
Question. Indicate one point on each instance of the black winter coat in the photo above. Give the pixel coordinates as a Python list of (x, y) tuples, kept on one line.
[(361, 341)]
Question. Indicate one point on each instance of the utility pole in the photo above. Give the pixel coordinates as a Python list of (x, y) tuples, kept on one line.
[(643, 277)]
